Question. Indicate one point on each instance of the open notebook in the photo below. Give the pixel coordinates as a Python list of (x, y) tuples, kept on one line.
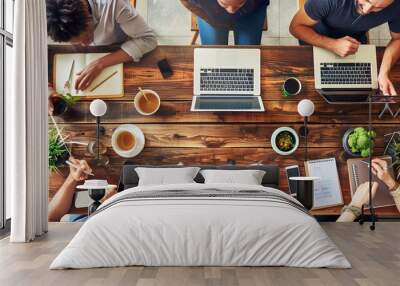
[(359, 173), (112, 87)]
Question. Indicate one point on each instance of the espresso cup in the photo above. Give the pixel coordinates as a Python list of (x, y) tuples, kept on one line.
[(291, 86), (147, 102)]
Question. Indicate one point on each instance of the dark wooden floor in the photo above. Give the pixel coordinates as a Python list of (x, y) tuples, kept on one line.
[(375, 257)]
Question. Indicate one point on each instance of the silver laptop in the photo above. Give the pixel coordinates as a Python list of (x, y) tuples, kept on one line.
[(227, 80), (346, 80)]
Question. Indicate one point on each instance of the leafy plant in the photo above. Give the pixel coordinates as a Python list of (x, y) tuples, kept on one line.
[(57, 150), (394, 151), (361, 141), (70, 100)]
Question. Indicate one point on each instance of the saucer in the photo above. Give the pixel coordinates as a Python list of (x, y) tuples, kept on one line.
[(139, 136), (93, 184)]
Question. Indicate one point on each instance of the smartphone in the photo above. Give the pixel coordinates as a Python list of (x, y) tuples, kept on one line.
[(292, 171), (165, 68)]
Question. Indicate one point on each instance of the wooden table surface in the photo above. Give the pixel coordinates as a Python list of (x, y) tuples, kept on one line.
[(176, 135)]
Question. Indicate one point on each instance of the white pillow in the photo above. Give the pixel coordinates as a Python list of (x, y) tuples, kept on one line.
[(248, 177), (166, 176)]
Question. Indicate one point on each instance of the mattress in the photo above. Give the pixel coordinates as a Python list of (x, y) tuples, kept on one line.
[(201, 225)]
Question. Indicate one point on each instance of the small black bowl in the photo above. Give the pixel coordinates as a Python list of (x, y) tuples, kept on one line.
[(346, 145)]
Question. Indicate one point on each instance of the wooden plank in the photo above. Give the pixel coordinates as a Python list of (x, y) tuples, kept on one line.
[(276, 112), (222, 135)]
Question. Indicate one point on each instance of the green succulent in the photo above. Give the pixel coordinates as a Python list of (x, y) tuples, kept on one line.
[(362, 141), (57, 150)]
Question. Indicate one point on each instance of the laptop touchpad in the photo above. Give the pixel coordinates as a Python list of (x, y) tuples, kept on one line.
[(349, 57), (225, 59)]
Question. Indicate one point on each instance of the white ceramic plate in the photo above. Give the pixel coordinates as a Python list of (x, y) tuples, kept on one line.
[(304, 178), (140, 140), (89, 187)]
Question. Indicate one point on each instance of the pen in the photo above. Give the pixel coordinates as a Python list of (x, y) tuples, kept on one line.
[(385, 168), (357, 19), (72, 165)]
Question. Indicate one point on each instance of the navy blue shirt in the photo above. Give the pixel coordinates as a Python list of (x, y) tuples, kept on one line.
[(335, 18), (219, 15)]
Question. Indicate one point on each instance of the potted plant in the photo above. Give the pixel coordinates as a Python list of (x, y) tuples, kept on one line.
[(58, 153), (358, 142), (62, 103)]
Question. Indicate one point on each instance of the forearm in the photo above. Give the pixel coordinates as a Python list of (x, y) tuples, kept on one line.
[(308, 35), (62, 201), (391, 56), (396, 197), (114, 58)]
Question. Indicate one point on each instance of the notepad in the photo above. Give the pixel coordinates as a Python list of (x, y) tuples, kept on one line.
[(112, 87), (359, 174), (327, 190)]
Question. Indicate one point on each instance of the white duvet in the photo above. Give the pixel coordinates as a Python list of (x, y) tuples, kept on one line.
[(200, 231)]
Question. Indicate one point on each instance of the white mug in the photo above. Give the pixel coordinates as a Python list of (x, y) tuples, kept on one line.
[(140, 95), (137, 135)]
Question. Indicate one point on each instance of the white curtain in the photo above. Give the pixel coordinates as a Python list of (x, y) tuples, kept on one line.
[(26, 123)]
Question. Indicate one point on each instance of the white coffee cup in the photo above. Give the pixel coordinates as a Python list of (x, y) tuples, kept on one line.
[(140, 96), (116, 140), (137, 145)]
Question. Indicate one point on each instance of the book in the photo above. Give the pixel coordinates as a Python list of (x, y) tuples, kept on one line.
[(327, 190), (359, 174), (110, 79)]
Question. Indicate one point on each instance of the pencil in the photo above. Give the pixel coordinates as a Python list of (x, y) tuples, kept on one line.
[(103, 81)]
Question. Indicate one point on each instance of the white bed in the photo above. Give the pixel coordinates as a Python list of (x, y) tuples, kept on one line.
[(206, 230)]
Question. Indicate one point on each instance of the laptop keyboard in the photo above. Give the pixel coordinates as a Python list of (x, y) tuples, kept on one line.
[(226, 79), (346, 73)]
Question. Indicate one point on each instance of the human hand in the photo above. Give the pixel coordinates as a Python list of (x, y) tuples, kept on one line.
[(110, 191), (345, 46), (386, 85), (380, 169), (88, 75), (361, 196), (80, 169)]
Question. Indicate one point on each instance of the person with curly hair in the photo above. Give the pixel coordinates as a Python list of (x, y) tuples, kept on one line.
[(99, 22)]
